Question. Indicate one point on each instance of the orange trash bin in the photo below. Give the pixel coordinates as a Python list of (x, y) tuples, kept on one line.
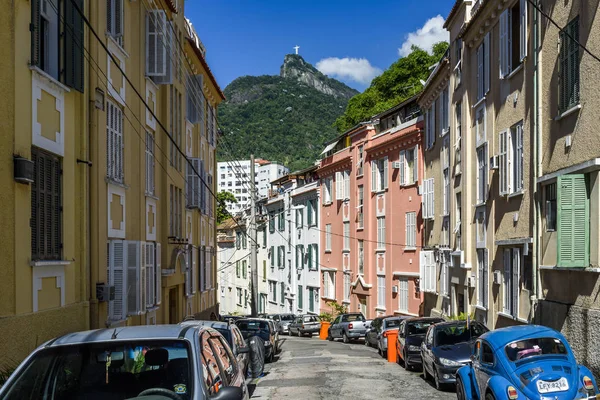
[(392, 336), (324, 332)]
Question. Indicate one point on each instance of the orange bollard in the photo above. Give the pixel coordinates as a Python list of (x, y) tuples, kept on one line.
[(324, 332), (392, 335)]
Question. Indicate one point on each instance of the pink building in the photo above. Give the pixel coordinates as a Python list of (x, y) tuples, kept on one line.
[(371, 215)]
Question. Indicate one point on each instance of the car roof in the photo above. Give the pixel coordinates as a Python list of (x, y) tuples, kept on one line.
[(210, 324), (425, 319), (145, 332), (392, 318), (451, 323), (501, 337)]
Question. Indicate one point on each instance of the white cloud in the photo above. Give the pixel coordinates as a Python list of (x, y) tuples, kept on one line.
[(431, 33), (355, 69)]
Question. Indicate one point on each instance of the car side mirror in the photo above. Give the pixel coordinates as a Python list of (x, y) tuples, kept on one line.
[(243, 350), (228, 393), (472, 358)]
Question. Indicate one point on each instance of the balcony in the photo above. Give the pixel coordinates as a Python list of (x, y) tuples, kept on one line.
[(340, 156)]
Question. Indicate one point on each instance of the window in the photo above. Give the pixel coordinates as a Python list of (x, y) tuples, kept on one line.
[(312, 213), (445, 232), (457, 146), (427, 271), (513, 24), (327, 191), (445, 123), (272, 222), (569, 65), (244, 240), (300, 293), (239, 296), (482, 172), (360, 208), (482, 278), (272, 291), (328, 237), (550, 193), (238, 240), (379, 175), (409, 166), (237, 268), (281, 256), (510, 160), (444, 276), (480, 125), (457, 224), (175, 124), (175, 212), (281, 220), (149, 163), (361, 257), (159, 42), (483, 67), (347, 286), (430, 127), (329, 284), (428, 199), (446, 176), (573, 221), (114, 142), (282, 284), (311, 299), (46, 206), (512, 273), (403, 295), (342, 185), (458, 44), (299, 217), (381, 233), (347, 236), (313, 257), (480, 226), (411, 230), (359, 166), (264, 277), (244, 269), (56, 41), (272, 255), (381, 292), (114, 20), (299, 256)]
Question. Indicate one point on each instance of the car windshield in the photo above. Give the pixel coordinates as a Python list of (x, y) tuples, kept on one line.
[(453, 334), (115, 370), (419, 327), (287, 317), (353, 317), (391, 323), (310, 318), (248, 326), (534, 347)]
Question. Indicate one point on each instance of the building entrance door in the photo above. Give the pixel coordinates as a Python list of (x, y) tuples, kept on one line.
[(173, 307)]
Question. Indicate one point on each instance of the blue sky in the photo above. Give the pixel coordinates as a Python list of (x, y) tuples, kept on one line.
[(353, 40)]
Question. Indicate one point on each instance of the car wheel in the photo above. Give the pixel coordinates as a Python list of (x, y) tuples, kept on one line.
[(329, 337), (460, 389), (345, 338), (406, 364), (436, 379), (489, 396)]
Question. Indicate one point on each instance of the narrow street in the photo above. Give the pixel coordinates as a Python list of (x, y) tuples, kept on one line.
[(309, 368)]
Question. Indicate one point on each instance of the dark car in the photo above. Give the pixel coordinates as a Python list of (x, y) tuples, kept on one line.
[(373, 332), (447, 347), (261, 328), (234, 338), (410, 336)]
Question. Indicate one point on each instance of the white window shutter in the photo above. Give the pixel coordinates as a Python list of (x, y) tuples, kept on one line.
[(339, 186), (503, 25), (502, 163), (422, 263), (509, 43), (523, 29), (187, 271), (431, 199), (373, 176), (143, 277), (132, 252), (194, 269), (516, 266), (203, 268), (509, 161), (385, 173), (486, 62), (158, 271), (402, 168), (346, 184), (118, 278), (156, 47), (480, 79), (416, 164), (150, 275)]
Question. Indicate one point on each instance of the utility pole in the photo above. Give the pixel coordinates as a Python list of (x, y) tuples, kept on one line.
[(253, 249)]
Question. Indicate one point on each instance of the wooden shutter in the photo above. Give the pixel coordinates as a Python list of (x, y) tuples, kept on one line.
[(118, 279), (35, 32), (142, 278), (503, 40), (132, 262), (158, 270), (523, 28), (194, 274), (118, 28), (73, 45), (150, 275), (573, 221), (402, 162), (415, 164), (346, 184), (300, 296), (507, 281), (480, 72), (516, 276), (374, 176), (503, 163), (486, 63), (385, 173)]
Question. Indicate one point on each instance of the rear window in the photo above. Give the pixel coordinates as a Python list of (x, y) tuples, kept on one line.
[(226, 334), (392, 323), (311, 318), (534, 347), (420, 327), (454, 334), (252, 325), (353, 317), (287, 317)]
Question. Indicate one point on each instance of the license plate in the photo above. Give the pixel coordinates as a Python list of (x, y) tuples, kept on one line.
[(557, 386)]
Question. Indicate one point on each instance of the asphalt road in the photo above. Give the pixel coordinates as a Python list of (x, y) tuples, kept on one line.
[(309, 368)]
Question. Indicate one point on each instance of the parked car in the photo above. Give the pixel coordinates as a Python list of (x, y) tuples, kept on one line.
[(388, 324), (263, 329), (446, 348), (160, 362), (282, 321), (276, 333), (373, 330), (348, 327), (234, 338), (305, 325), (410, 336), (524, 362)]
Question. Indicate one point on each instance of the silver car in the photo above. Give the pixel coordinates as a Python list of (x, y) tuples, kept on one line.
[(388, 324), (160, 362)]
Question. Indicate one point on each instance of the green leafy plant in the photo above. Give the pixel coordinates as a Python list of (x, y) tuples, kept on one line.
[(336, 309), (461, 317), (223, 198), (325, 317)]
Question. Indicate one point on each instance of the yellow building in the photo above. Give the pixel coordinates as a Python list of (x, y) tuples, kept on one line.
[(105, 222)]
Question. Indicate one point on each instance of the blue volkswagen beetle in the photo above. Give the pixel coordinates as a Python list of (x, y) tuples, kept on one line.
[(524, 362)]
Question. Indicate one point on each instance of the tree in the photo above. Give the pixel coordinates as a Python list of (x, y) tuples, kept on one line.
[(396, 84), (224, 198)]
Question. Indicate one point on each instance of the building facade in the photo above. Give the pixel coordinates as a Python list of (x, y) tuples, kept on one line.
[(370, 220), (234, 177)]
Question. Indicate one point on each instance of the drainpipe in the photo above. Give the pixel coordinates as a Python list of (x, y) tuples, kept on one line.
[(536, 166)]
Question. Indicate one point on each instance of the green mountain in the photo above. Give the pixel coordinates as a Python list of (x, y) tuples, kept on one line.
[(285, 118)]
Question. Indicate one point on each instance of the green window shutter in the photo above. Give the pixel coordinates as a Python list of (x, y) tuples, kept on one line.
[(73, 48), (309, 253), (308, 213), (316, 221), (35, 32), (573, 221), (299, 296), (272, 256), (311, 300), (271, 222)]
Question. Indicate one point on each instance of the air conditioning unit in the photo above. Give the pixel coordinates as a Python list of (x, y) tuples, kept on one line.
[(497, 277), (396, 164), (394, 289), (494, 162), (105, 292), (471, 281)]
